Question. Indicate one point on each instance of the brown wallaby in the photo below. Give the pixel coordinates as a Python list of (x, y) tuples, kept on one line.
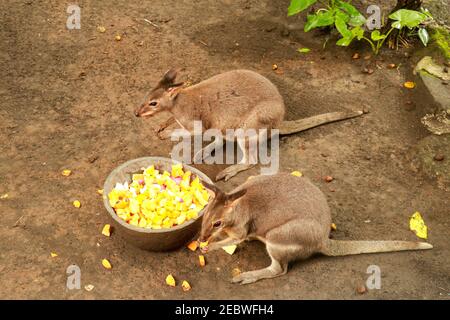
[(238, 99), (289, 215)]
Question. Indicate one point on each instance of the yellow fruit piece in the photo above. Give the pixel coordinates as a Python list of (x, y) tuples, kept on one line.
[(193, 245), (53, 254), (203, 244), (106, 230), (296, 173), (201, 260), (100, 191), (101, 29), (76, 204), (333, 227), (118, 37), (170, 281), (186, 286), (106, 264), (66, 172), (417, 225), (230, 249), (409, 85), (4, 196)]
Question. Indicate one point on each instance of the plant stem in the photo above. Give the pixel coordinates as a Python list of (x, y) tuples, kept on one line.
[(371, 44)]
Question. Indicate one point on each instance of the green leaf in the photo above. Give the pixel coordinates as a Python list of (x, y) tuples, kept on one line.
[(297, 6), (344, 41), (358, 32), (407, 18), (355, 17), (376, 36), (424, 36), (303, 50), (320, 19), (341, 26)]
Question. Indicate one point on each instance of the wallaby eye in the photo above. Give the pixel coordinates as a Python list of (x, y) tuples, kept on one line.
[(153, 103), (217, 224)]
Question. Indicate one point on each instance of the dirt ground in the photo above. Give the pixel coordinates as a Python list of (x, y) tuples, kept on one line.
[(67, 101)]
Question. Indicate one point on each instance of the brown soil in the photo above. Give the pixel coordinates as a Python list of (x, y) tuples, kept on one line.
[(67, 101)]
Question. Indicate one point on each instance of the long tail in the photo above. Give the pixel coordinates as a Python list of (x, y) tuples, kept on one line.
[(344, 248), (288, 127)]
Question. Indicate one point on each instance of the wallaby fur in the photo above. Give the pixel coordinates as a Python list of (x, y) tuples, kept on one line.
[(231, 100), (287, 213)]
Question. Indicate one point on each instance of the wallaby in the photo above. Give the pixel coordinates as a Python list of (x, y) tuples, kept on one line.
[(289, 215), (237, 99)]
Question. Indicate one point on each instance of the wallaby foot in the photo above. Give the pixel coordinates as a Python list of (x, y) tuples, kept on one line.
[(233, 170), (274, 270)]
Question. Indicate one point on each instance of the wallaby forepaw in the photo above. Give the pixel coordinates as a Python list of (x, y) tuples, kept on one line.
[(225, 175), (163, 134)]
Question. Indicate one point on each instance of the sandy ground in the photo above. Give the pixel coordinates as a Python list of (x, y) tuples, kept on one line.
[(67, 101)]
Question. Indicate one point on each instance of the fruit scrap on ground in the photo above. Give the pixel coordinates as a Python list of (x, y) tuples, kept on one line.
[(159, 200), (409, 85), (333, 227), (106, 231), (106, 264), (66, 172), (230, 249), (203, 244), (201, 260), (186, 286), (53, 254), (170, 280), (193, 245), (417, 225), (76, 204), (296, 173)]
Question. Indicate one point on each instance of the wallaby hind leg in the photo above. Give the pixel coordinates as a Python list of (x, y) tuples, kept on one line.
[(276, 268), (249, 158)]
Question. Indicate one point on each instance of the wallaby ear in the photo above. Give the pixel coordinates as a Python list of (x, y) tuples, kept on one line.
[(232, 197), (211, 188), (168, 79)]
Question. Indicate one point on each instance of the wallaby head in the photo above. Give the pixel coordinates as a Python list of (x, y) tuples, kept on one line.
[(218, 216), (161, 97)]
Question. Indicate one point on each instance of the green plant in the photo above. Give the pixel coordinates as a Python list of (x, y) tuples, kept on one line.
[(349, 22)]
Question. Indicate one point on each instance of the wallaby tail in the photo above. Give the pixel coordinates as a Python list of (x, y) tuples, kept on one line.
[(288, 127), (343, 248)]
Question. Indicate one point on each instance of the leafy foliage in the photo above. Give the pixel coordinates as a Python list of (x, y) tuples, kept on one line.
[(349, 22)]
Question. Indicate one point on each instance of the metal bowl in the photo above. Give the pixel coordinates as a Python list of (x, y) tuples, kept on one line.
[(151, 239)]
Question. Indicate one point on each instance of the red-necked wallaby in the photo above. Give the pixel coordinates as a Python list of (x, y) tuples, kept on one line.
[(289, 215), (238, 99)]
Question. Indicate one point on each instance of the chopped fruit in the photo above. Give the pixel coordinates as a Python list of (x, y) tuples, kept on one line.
[(203, 244), (328, 178), (106, 230), (417, 225), (100, 191), (159, 200), (274, 67), (88, 287), (118, 37), (66, 172), (201, 260), (170, 280), (333, 227), (296, 173), (106, 264), (53, 254), (186, 286), (76, 204), (4, 196), (193, 245), (101, 29), (409, 85), (230, 249)]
